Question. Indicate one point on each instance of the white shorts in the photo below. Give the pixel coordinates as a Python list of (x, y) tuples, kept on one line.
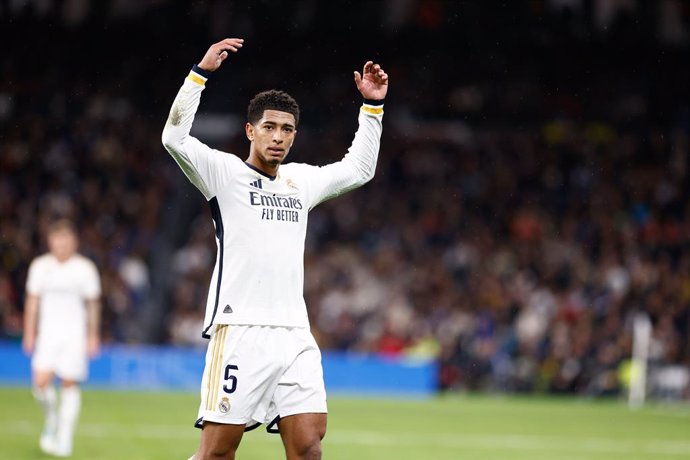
[(65, 357), (257, 374)]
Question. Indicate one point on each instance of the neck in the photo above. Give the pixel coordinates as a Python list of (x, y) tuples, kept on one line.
[(63, 258), (266, 168)]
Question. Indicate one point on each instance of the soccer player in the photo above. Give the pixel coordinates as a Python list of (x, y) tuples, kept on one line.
[(262, 363), (61, 331)]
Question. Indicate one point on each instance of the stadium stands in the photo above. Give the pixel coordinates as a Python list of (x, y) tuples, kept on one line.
[(532, 194)]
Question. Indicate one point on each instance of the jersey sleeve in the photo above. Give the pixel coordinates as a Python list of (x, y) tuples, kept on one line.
[(357, 166), (91, 287), (206, 168), (33, 278)]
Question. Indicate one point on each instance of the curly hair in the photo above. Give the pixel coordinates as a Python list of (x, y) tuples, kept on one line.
[(272, 100)]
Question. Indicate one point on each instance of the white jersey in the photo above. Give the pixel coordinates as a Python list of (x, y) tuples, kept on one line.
[(62, 289), (261, 221)]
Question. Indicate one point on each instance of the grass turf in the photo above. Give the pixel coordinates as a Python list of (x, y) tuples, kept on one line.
[(151, 426)]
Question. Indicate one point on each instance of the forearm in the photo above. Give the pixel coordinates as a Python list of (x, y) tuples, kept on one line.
[(30, 315), (93, 318), (359, 164), (185, 149), (179, 123), (364, 151), (181, 117)]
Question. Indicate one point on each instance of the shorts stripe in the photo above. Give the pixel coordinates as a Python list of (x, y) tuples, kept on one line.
[(211, 373), (214, 346), (212, 370), (219, 367), (216, 364)]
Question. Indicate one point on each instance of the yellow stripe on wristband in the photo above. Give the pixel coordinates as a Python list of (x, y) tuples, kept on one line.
[(372, 110), (196, 79)]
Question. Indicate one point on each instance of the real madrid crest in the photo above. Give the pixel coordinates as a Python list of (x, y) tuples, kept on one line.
[(224, 405)]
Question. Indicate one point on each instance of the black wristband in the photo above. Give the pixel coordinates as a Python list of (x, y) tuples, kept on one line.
[(374, 101), (204, 73)]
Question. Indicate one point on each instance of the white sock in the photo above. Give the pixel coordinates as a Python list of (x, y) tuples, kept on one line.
[(47, 397), (70, 404)]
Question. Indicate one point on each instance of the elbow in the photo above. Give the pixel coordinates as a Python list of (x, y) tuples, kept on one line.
[(362, 172), (366, 172), (368, 176), (169, 141)]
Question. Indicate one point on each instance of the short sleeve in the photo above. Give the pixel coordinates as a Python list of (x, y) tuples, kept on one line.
[(91, 288), (33, 279)]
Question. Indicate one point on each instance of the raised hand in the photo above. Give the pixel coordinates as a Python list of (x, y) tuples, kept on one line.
[(218, 52), (373, 82)]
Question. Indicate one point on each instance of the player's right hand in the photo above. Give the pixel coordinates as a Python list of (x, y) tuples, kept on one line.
[(28, 343), (218, 52)]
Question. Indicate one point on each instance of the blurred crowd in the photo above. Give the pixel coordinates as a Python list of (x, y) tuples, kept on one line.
[(532, 196)]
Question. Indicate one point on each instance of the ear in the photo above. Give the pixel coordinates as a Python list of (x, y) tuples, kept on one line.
[(249, 131)]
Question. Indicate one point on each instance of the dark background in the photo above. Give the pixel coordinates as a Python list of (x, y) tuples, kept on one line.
[(531, 195)]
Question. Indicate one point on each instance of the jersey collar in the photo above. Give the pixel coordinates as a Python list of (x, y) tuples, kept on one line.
[(254, 168)]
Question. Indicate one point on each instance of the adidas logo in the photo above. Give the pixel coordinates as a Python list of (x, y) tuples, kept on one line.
[(257, 184), (227, 309)]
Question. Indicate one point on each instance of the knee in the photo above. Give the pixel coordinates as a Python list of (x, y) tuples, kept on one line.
[(215, 453), (310, 451), (42, 381), (310, 446)]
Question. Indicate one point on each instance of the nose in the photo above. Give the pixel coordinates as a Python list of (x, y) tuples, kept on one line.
[(278, 136)]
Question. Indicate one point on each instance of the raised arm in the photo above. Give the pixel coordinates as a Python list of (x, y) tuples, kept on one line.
[(359, 164), (199, 162)]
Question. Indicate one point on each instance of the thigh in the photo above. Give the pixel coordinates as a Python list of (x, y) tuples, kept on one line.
[(73, 362), (219, 441), (45, 357), (64, 357), (301, 388), (302, 434), (239, 377), (42, 378)]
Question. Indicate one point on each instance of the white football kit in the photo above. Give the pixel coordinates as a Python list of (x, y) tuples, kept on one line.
[(261, 224), (62, 289)]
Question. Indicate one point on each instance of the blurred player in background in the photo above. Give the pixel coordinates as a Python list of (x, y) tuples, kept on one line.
[(61, 331), (262, 363)]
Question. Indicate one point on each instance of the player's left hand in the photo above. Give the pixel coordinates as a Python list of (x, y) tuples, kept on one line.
[(373, 82)]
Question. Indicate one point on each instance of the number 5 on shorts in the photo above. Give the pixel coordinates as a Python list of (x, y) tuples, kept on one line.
[(230, 378)]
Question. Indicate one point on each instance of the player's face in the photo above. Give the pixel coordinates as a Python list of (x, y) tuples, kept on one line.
[(62, 244), (271, 137)]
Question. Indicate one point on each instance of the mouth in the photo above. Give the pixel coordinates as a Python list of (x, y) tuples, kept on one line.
[(276, 151)]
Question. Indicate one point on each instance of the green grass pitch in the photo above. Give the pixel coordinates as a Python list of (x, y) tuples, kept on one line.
[(151, 426)]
